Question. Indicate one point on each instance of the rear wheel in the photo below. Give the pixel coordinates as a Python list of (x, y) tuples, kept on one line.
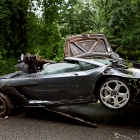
[(114, 93), (6, 105)]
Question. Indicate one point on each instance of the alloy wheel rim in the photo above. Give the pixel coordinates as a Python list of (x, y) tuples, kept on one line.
[(114, 94)]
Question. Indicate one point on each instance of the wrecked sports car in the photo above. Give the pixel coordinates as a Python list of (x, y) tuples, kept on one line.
[(89, 72)]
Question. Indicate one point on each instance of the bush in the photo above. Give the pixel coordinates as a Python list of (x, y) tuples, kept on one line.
[(50, 52), (7, 65), (130, 55)]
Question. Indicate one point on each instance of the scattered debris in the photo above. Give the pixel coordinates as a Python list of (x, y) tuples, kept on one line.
[(6, 117), (122, 136)]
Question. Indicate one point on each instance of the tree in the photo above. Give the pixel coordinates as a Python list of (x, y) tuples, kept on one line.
[(13, 38), (78, 17), (123, 22)]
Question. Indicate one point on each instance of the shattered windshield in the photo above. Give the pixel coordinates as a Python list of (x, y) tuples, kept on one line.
[(60, 68)]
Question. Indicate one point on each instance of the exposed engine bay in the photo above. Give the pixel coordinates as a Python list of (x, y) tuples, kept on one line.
[(31, 63)]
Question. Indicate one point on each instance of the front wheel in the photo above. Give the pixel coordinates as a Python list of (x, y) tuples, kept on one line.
[(114, 93), (6, 105)]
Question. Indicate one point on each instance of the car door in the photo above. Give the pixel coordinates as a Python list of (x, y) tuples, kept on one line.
[(64, 86)]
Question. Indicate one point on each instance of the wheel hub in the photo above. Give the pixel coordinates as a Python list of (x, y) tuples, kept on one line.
[(114, 93)]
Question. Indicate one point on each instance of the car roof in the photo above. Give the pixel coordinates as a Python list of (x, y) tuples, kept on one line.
[(90, 60)]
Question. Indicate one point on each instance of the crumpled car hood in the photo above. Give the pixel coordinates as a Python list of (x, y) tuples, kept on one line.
[(131, 73), (135, 72)]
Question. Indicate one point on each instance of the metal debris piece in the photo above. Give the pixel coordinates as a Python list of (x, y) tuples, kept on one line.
[(74, 118), (122, 136), (6, 117)]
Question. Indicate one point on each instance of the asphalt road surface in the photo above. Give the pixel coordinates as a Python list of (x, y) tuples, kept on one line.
[(45, 125)]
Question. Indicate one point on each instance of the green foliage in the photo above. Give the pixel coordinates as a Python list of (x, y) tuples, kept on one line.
[(54, 51), (23, 31), (77, 18), (123, 22), (7, 65), (12, 26)]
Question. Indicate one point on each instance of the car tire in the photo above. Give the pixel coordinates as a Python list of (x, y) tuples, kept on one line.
[(6, 105), (114, 93)]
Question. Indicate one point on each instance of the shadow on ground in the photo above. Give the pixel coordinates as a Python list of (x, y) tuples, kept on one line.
[(94, 113)]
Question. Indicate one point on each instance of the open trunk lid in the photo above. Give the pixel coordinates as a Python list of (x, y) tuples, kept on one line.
[(87, 45)]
